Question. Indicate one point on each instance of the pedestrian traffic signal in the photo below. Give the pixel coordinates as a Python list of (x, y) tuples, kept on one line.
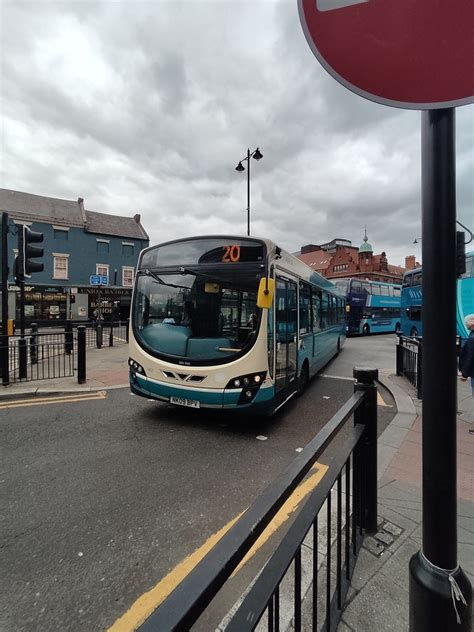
[(24, 266)]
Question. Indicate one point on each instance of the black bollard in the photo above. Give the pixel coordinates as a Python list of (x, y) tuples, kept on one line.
[(68, 338), (367, 455), (81, 354)]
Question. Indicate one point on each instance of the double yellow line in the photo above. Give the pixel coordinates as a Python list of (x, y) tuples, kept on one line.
[(53, 399), (149, 601)]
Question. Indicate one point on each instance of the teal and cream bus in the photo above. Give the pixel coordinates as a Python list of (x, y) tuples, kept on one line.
[(229, 323)]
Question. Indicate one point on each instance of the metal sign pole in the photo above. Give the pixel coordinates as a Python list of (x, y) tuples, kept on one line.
[(4, 359), (436, 581)]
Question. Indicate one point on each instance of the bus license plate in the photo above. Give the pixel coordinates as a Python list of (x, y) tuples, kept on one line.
[(182, 401)]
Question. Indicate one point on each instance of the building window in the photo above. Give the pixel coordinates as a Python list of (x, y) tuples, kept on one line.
[(103, 270), (341, 267), (60, 233), (128, 249), (127, 277), (102, 246), (60, 267)]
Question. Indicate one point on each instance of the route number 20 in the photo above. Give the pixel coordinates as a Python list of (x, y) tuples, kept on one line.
[(232, 254)]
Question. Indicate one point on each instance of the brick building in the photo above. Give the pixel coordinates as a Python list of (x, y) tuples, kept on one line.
[(340, 259)]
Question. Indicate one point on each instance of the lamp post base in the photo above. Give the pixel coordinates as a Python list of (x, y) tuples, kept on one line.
[(435, 603)]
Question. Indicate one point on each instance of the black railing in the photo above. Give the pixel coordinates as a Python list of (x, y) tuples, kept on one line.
[(352, 476), (49, 353), (39, 356), (409, 361)]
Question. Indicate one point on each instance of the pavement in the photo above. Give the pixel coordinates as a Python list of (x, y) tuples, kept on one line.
[(378, 596)]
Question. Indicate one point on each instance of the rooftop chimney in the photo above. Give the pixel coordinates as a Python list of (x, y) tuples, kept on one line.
[(410, 262), (137, 217), (80, 201)]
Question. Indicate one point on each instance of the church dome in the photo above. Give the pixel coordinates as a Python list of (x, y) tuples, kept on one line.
[(366, 247)]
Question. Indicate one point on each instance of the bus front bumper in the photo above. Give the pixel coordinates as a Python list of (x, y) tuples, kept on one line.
[(207, 398)]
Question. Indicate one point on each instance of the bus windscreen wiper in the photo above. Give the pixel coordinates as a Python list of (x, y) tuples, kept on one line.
[(159, 280)]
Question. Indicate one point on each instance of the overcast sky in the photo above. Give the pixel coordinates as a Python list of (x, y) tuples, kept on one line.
[(148, 106)]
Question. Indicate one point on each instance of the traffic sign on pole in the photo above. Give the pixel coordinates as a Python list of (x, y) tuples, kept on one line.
[(415, 54), (99, 279)]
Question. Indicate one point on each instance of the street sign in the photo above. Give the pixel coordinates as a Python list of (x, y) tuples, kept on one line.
[(415, 54), (99, 279)]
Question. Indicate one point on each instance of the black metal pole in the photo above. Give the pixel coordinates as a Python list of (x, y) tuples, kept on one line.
[(435, 604), (68, 338), (248, 192), (81, 354), (23, 350), (367, 415), (4, 359)]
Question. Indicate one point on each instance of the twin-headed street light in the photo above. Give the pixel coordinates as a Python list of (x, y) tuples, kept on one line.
[(257, 155)]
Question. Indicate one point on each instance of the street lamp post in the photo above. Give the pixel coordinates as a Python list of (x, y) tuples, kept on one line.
[(257, 155)]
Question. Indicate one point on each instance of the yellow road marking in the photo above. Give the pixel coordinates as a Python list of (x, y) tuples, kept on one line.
[(381, 402), (149, 601), (61, 399)]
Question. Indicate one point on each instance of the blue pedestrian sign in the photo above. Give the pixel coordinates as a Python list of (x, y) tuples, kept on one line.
[(99, 279)]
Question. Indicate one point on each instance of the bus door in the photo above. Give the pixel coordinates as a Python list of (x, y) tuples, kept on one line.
[(286, 320)]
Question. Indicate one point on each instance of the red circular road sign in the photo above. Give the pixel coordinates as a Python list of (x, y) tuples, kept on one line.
[(416, 54)]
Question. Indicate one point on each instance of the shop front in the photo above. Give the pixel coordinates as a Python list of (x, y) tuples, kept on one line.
[(46, 304), (112, 303), (42, 303)]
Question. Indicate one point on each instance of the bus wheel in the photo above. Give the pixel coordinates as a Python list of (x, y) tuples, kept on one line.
[(397, 328), (414, 332), (303, 379), (366, 330)]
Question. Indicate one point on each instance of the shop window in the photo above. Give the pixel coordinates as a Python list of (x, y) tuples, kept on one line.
[(60, 267)]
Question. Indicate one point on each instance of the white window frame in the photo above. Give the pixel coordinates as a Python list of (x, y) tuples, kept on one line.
[(56, 275), (128, 269), (107, 267)]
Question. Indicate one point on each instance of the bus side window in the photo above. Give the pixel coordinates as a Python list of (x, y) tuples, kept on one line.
[(376, 290), (316, 309), (305, 308), (325, 298)]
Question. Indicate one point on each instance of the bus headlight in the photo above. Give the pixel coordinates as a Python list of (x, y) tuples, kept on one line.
[(251, 379), (135, 366), (250, 385)]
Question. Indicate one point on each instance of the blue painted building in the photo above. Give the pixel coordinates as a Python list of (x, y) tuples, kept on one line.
[(77, 243)]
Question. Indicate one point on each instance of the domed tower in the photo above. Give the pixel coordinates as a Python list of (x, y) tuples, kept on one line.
[(365, 255)]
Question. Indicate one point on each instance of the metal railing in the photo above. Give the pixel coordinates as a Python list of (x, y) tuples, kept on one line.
[(409, 357), (49, 354), (351, 477), (41, 356)]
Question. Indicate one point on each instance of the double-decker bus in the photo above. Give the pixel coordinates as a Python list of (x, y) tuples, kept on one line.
[(410, 315), (411, 324), (229, 323), (371, 306)]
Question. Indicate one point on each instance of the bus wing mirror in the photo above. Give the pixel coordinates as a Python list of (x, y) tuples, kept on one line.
[(266, 291)]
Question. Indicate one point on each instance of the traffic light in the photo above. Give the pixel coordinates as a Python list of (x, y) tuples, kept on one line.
[(24, 264), (460, 253)]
